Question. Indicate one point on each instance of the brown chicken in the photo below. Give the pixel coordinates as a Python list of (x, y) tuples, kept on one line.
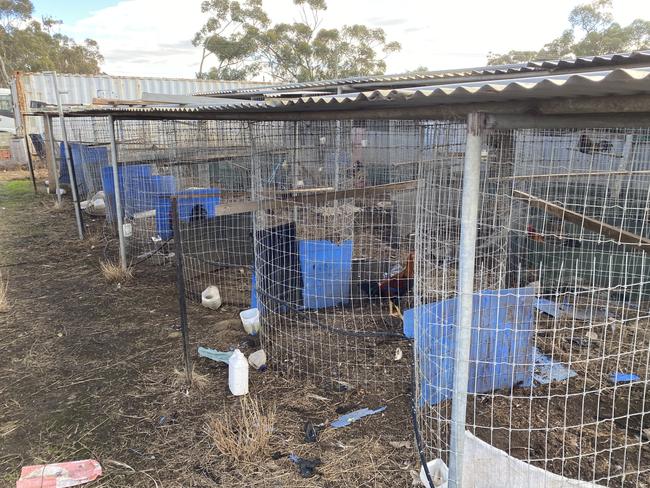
[(395, 287)]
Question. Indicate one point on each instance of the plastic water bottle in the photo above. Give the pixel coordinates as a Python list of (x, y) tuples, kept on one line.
[(238, 373)]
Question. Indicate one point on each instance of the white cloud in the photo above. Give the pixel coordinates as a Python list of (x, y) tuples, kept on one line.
[(152, 37)]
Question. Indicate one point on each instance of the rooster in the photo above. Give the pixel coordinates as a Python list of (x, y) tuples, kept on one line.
[(394, 287)]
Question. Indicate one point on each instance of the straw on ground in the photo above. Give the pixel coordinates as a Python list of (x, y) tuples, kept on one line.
[(4, 301), (245, 435), (114, 273)]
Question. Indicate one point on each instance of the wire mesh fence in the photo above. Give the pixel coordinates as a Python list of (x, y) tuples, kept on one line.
[(334, 247), (205, 165), (345, 235), (88, 139), (559, 345)]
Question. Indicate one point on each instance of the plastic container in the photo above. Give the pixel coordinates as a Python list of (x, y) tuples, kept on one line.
[(257, 360), (211, 298), (251, 320), (238, 373)]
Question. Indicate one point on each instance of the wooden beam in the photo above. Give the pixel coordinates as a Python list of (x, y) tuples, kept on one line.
[(318, 197), (619, 235)]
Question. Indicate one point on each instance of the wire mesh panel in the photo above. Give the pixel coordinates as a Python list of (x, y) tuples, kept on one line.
[(558, 372), (88, 138), (204, 165), (334, 247)]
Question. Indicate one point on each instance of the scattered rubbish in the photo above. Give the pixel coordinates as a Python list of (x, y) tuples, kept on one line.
[(251, 320), (592, 335), (168, 419), (311, 435), (59, 475), (438, 471), (211, 298), (238, 373), (119, 464), (127, 229), (547, 371), (341, 386), (174, 335), (207, 473), (645, 434), (351, 417), (141, 454), (622, 377), (222, 356), (257, 360), (307, 467), (398, 354), (318, 397), (568, 311), (400, 444)]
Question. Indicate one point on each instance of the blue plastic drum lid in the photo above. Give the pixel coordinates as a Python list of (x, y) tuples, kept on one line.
[(326, 272)]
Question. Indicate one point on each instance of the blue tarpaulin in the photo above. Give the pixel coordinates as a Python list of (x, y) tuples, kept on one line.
[(502, 354)]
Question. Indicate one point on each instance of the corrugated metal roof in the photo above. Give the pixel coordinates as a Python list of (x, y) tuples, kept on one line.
[(620, 81), (444, 76)]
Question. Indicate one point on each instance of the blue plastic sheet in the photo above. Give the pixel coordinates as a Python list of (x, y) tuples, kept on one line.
[(501, 354), (351, 417)]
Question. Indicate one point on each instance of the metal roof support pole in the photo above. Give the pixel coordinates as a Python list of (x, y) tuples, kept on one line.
[(54, 170), (118, 195), (68, 154), (30, 163), (465, 290)]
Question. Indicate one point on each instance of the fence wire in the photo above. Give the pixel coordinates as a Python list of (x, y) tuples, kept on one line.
[(560, 348), (334, 247)]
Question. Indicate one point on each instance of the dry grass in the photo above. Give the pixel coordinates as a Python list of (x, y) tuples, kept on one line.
[(245, 435), (200, 382), (114, 273), (4, 301)]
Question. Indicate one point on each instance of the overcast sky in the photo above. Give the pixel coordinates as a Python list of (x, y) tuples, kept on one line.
[(152, 37)]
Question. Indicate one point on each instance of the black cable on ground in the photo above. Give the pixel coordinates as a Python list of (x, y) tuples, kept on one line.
[(416, 427), (335, 330)]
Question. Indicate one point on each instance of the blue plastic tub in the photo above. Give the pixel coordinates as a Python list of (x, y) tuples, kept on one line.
[(109, 190), (501, 356), (326, 273), (202, 204)]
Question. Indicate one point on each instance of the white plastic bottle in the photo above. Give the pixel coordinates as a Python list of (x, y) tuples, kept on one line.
[(238, 373)]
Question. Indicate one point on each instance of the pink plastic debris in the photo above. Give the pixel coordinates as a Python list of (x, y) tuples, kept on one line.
[(59, 475)]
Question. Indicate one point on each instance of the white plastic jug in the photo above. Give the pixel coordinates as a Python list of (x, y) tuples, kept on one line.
[(238, 373), (251, 320), (211, 298)]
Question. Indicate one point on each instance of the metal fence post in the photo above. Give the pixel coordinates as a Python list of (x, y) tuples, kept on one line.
[(30, 164), (68, 153), (117, 193), (465, 287), (180, 287), (54, 170)]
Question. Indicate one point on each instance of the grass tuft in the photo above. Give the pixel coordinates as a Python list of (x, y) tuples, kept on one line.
[(243, 436), (4, 301), (200, 382), (114, 273)]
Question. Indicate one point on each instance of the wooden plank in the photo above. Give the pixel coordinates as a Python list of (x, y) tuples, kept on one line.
[(315, 198), (619, 235)]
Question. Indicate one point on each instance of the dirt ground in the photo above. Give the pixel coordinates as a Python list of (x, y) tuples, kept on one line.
[(88, 370)]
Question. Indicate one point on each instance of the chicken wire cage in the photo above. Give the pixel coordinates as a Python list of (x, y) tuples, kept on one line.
[(204, 166), (557, 391), (89, 153), (334, 242)]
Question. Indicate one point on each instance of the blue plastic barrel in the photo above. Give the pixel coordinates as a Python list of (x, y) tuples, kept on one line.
[(326, 272)]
